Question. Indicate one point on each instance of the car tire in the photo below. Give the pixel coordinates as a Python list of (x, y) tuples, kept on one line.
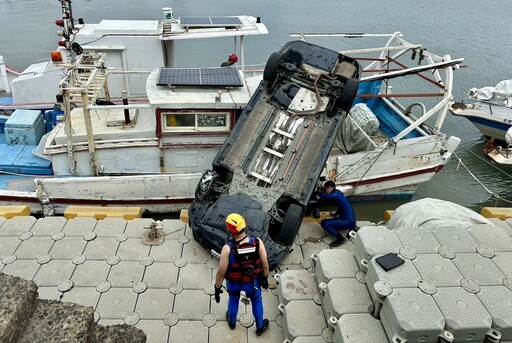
[(291, 224), (347, 95), (270, 72)]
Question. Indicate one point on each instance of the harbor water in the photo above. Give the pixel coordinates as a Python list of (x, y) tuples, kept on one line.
[(478, 31)]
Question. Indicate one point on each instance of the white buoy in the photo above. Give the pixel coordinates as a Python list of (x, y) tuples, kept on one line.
[(508, 136)]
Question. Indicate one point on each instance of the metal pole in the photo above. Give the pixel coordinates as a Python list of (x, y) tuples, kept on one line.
[(124, 95), (90, 134)]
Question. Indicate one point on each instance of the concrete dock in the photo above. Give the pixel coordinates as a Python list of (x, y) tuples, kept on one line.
[(165, 290)]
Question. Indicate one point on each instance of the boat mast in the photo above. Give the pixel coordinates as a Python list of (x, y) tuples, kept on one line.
[(68, 24)]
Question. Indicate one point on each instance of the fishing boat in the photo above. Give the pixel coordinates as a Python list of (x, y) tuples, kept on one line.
[(155, 157), (150, 148), (489, 109)]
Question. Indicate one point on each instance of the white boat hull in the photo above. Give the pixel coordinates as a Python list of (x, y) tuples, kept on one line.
[(386, 176), (155, 193), (393, 173), (491, 124)]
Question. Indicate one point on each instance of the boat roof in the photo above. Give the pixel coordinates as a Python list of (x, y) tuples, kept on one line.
[(198, 97), (249, 26)]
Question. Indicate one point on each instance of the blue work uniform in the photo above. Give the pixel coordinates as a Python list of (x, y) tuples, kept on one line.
[(345, 217), (251, 289)]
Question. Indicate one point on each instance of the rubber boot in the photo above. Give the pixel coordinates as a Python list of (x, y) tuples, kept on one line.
[(338, 241)]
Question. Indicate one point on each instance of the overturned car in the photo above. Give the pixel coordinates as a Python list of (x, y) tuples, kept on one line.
[(269, 165)]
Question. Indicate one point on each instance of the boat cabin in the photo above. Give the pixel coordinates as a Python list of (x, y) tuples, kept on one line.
[(189, 113)]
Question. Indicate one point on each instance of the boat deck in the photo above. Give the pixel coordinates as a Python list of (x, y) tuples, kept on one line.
[(165, 290)]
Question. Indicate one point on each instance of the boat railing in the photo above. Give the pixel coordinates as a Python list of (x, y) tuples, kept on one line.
[(490, 103), (380, 65)]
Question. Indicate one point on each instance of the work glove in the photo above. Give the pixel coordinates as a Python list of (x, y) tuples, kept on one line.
[(264, 282), (218, 291)]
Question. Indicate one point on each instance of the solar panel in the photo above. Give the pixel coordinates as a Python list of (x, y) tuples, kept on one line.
[(210, 21), (212, 77), (228, 21)]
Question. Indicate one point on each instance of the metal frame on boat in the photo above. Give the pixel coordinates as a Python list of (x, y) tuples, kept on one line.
[(407, 149)]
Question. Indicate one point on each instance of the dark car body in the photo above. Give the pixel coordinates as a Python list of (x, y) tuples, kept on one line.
[(268, 167)]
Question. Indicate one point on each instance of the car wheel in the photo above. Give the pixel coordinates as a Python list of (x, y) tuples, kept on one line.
[(270, 72), (348, 95), (291, 224), (204, 190)]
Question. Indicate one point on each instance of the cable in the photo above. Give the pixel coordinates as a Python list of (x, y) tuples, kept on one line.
[(461, 163)]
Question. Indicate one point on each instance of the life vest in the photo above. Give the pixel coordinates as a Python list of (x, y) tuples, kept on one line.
[(244, 261)]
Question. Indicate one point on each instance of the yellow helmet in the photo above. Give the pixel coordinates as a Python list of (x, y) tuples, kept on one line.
[(235, 223)]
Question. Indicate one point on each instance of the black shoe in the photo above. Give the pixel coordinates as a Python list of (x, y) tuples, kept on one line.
[(337, 242), (316, 213), (231, 326), (262, 329)]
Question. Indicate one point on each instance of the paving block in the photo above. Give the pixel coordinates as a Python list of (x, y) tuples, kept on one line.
[(17, 301), (373, 240), (502, 260), (441, 271), (346, 295), (480, 269), (404, 276), (418, 239), (497, 300), (334, 263), (464, 313), (491, 236), (98, 212), (9, 212), (359, 328), (409, 315), (296, 285), (456, 238), (55, 321), (302, 318)]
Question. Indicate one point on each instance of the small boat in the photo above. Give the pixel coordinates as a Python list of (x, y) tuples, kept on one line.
[(489, 109), (152, 151), (500, 154)]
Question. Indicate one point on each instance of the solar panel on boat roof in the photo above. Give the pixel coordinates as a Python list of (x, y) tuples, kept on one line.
[(214, 77), (210, 21), (225, 21)]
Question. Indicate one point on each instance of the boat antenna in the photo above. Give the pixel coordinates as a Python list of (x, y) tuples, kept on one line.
[(67, 23)]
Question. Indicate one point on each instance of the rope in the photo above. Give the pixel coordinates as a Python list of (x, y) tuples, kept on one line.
[(490, 192)]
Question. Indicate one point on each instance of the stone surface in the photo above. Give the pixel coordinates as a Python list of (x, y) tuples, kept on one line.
[(17, 297)]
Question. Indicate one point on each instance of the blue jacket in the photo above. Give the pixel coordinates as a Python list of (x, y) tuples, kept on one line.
[(345, 210)]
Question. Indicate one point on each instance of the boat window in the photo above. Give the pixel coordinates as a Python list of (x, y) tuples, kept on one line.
[(196, 121)]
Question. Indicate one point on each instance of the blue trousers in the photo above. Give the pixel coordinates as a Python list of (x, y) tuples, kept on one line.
[(334, 225), (253, 291)]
